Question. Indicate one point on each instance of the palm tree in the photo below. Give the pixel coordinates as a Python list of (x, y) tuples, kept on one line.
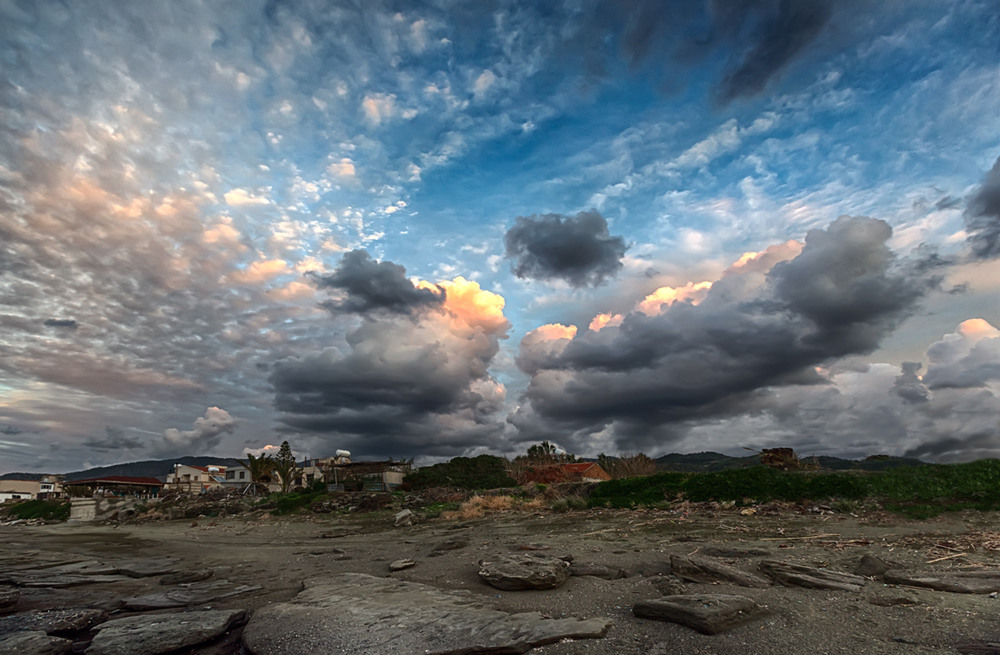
[(262, 471), (284, 466)]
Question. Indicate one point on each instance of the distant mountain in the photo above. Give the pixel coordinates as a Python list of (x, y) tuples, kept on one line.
[(708, 462), (159, 468)]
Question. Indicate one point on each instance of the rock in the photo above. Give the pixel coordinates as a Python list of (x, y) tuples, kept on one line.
[(358, 613), (525, 571), (596, 570), (448, 545), (401, 564), (980, 648), (707, 613), (871, 567), (732, 552), (186, 577), (703, 569), (892, 601), (810, 577), (34, 642), (8, 599), (151, 634), (668, 585), (194, 594), (404, 518), (959, 582), (147, 567), (53, 622)]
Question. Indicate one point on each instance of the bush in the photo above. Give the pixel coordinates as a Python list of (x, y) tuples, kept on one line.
[(288, 503), (482, 472), (48, 510)]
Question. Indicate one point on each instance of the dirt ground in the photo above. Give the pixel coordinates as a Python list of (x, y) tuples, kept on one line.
[(280, 553)]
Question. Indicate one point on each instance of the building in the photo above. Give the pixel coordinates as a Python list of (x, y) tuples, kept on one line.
[(195, 479), (19, 490), (341, 474), (120, 486)]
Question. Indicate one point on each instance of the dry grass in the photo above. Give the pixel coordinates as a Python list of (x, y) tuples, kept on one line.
[(479, 506)]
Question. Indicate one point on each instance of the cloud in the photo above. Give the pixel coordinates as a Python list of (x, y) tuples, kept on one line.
[(115, 439), (643, 380), (403, 384), (982, 216), (577, 249), (781, 30), (203, 438), (368, 285)]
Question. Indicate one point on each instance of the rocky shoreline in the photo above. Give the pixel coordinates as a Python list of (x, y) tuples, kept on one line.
[(597, 581)]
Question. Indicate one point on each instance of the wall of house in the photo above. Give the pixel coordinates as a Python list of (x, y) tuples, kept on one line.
[(86, 510)]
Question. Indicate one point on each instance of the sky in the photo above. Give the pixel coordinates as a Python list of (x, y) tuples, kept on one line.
[(447, 228)]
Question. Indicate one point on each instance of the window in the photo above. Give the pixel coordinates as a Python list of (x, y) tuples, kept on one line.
[(243, 475)]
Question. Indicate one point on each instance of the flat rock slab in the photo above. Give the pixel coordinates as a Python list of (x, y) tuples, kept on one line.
[(34, 642), (194, 594), (525, 571), (959, 582), (810, 577), (147, 566), (53, 622), (401, 564), (707, 570), (707, 613), (358, 613), (152, 634)]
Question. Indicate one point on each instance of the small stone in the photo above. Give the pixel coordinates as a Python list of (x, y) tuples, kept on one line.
[(596, 571), (871, 567), (403, 519), (401, 564)]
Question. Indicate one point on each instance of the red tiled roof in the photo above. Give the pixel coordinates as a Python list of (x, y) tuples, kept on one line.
[(120, 479), (578, 467)]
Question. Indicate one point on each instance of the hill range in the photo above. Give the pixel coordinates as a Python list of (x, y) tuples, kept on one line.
[(705, 462)]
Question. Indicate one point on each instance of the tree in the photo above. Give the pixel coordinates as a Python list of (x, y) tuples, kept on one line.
[(547, 453), (284, 465), (261, 470)]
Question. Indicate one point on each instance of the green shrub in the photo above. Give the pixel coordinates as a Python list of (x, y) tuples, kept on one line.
[(918, 492), (49, 510), (482, 472), (288, 503)]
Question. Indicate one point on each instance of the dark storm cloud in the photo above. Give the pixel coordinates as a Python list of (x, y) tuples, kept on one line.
[(402, 384), (750, 44), (68, 324), (909, 386), (782, 31), (577, 249), (839, 297), (370, 285), (115, 439), (982, 216)]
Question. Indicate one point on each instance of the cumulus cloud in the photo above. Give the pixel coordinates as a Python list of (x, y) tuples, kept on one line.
[(643, 379), (982, 216), (205, 435), (403, 384), (368, 285), (577, 249)]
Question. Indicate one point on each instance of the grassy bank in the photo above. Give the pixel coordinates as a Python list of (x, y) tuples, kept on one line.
[(920, 491), (48, 510)]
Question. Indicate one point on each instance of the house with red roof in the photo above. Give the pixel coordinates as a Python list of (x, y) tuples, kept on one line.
[(120, 486), (195, 479), (575, 472)]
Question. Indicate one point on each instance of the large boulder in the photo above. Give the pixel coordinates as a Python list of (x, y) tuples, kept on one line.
[(525, 571), (64, 622), (358, 613)]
